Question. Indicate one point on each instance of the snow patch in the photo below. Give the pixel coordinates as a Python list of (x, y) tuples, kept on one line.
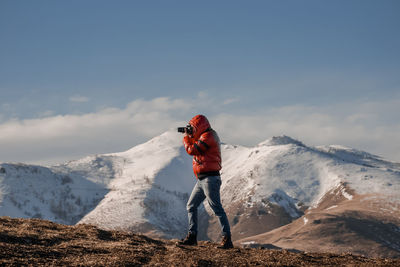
[(280, 140), (345, 194), (332, 207), (249, 243), (288, 203)]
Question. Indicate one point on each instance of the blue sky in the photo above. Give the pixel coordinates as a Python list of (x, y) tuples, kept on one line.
[(334, 60)]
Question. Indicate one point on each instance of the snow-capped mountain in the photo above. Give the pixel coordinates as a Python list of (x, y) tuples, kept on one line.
[(149, 191), (145, 189), (33, 191), (275, 182)]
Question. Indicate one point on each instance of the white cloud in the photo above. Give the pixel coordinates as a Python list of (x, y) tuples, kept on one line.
[(79, 99), (70, 136), (230, 101), (46, 113), (372, 126)]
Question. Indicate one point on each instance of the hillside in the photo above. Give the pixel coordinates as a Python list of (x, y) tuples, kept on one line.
[(340, 225), (38, 242)]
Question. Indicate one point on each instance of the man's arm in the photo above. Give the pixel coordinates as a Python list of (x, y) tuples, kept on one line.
[(193, 147)]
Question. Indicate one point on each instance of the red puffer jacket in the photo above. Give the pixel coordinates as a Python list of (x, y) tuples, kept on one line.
[(204, 146)]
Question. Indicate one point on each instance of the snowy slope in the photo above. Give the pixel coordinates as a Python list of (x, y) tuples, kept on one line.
[(142, 189), (150, 189), (275, 182), (33, 191), (145, 189), (296, 173)]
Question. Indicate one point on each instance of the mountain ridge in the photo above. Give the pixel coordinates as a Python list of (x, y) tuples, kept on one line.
[(145, 188)]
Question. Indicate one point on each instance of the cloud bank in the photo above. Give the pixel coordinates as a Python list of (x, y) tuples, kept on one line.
[(79, 99), (367, 125)]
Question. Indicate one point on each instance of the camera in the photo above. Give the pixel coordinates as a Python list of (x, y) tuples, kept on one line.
[(188, 129)]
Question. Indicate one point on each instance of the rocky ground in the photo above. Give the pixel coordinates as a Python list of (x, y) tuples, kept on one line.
[(37, 242)]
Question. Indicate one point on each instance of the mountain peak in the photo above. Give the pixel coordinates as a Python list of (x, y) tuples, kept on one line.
[(168, 139), (281, 140)]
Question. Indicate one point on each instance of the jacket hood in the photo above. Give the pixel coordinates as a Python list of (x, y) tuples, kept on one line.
[(200, 125)]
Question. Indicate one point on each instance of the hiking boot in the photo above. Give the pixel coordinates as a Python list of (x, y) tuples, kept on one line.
[(226, 242), (190, 239)]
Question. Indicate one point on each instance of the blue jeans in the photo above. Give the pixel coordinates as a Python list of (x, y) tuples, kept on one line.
[(207, 188)]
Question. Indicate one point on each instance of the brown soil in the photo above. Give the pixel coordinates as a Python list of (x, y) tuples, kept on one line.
[(37, 242), (367, 225), (249, 221)]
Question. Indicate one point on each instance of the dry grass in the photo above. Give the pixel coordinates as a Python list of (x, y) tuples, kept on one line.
[(37, 242)]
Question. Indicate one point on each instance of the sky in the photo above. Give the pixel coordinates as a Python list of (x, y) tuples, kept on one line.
[(79, 78)]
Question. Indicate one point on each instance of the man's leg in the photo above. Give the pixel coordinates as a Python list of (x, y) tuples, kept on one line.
[(196, 198), (211, 186)]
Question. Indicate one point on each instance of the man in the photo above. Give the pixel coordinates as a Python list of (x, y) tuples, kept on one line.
[(203, 144)]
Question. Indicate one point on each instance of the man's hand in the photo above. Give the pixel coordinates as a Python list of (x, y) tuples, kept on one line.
[(187, 134)]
